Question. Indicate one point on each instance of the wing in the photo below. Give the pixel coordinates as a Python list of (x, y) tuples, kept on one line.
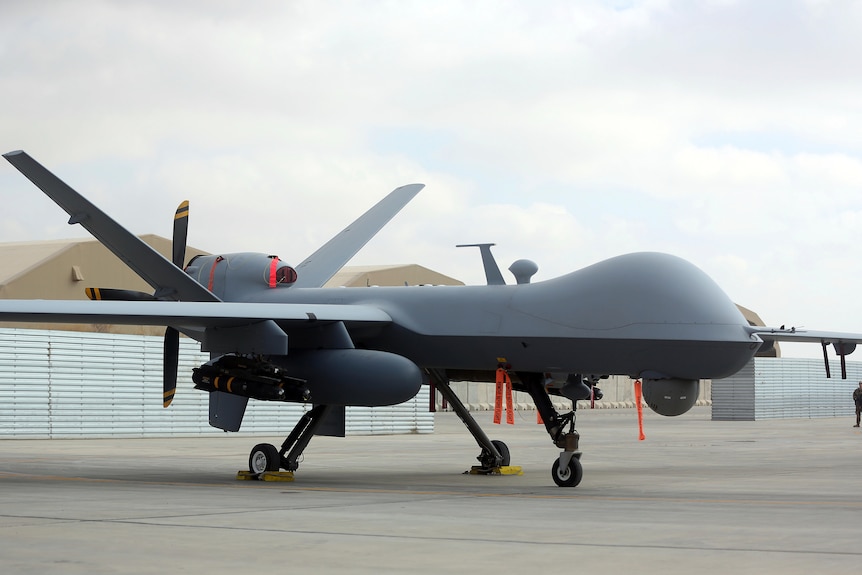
[(222, 327), (320, 266), (843, 343), (171, 282), (804, 336), (190, 314), (167, 279)]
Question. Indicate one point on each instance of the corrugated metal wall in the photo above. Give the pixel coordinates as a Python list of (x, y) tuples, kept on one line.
[(733, 397), (769, 388), (73, 384)]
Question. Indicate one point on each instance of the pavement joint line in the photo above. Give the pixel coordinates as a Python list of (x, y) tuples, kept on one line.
[(450, 493), (468, 540)]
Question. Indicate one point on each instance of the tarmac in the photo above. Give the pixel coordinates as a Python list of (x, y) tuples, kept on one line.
[(696, 496)]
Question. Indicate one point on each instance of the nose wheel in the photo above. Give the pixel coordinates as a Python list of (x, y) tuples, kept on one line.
[(567, 473)]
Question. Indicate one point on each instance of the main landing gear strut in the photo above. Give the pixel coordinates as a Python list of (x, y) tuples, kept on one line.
[(495, 453), (566, 470), (265, 457)]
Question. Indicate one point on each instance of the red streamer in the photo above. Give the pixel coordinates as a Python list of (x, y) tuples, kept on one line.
[(504, 385), (639, 406)]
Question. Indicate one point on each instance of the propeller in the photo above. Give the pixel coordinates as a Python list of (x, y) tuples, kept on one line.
[(118, 294), (172, 336)]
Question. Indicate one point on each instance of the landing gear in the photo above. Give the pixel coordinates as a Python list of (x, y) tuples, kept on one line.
[(567, 470), (567, 474), (265, 457), (494, 454), (488, 459)]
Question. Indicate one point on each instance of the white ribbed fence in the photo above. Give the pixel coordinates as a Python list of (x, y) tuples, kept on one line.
[(75, 384), (770, 388)]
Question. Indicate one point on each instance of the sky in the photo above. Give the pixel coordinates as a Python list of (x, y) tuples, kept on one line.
[(725, 132)]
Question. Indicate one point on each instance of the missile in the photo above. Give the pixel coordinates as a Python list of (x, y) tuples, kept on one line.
[(210, 377)]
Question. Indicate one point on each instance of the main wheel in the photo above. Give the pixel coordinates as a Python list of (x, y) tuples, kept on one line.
[(264, 457), (568, 476), (504, 451)]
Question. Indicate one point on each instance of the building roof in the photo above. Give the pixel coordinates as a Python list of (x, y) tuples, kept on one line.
[(61, 269), (773, 350), (390, 275), (18, 258)]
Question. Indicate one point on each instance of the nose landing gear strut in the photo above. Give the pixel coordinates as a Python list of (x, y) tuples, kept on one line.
[(566, 470)]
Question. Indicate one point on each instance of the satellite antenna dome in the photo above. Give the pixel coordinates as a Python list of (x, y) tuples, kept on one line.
[(523, 270)]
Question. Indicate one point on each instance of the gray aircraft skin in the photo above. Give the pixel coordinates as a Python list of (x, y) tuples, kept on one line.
[(614, 317), (275, 334)]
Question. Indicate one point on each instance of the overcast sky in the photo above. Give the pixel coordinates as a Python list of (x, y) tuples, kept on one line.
[(728, 133)]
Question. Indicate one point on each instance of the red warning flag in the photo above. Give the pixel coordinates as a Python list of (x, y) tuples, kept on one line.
[(504, 385), (498, 398), (510, 411), (639, 406)]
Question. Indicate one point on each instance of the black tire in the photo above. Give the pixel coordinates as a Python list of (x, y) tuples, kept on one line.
[(264, 457), (568, 476), (504, 451)]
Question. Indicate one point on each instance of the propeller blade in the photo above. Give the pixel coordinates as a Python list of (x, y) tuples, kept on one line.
[(181, 231), (171, 364), (118, 294), (172, 336)]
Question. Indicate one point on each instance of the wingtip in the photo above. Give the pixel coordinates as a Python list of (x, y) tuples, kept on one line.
[(13, 153), (415, 188)]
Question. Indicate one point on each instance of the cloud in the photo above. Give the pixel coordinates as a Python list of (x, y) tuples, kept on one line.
[(723, 132)]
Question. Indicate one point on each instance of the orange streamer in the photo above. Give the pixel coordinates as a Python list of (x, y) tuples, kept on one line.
[(504, 385), (498, 398), (639, 406), (510, 411)]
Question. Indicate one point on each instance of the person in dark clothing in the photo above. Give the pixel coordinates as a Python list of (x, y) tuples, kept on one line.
[(857, 399)]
